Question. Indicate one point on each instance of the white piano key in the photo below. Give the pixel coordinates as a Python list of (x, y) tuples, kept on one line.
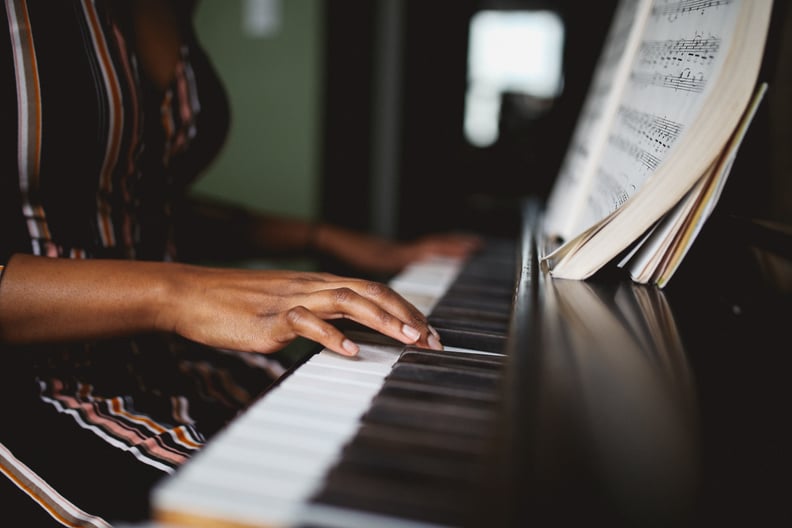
[(473, 352), (201, 500), (271, 481), (268, 415), (356, 377), (430, 277), (252, 438), (329, 386), (261, 425), (367, 361), (425, 302), (369, 353), (271, 457), (307, 405), (307, 402)]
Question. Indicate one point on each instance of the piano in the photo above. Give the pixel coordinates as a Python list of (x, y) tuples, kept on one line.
[(554, 403)]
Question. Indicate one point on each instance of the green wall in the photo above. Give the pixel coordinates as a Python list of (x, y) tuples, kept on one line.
[(271, 158)]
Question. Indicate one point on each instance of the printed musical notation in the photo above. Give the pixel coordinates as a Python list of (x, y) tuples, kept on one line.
[(644, 137), (608, 195), (687, 80), (677, 64), (675, 9), (670, 53), (660, 132), (635, 151)]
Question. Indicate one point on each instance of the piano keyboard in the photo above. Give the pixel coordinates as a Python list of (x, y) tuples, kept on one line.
[(393, 437)]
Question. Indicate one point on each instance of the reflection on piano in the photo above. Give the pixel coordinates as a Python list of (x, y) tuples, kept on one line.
[(554, 401)]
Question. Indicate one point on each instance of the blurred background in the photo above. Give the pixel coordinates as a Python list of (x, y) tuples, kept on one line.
[(403, 117), (399, 117)]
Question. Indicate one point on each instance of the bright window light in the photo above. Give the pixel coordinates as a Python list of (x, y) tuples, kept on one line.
[(509, 51)]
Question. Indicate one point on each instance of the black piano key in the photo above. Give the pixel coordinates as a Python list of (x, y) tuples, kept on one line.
[(482, 297), (446, 377), (473, 293), (450, 359), (455, 419), (481, 288), (414, 477), (427, 473), (392, 472), (406, 465), (471, 339), (472, 324), (437, 414), (392, 438), (482, 306), (474, 313), (419, 500), (422, 391), (495, 311)]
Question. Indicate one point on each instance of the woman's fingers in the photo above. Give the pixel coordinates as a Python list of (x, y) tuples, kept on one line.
[(452, 245), (384, 312), (300, 321), (372, 304), (341, 299)]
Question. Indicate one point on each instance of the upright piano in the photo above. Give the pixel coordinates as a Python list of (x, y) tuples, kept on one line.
[(554, 403)]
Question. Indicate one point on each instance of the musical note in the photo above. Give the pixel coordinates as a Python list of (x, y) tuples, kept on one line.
[(685, 80), (635, 151), (610, 194), (697, 50), (658, 131), (674, 10)]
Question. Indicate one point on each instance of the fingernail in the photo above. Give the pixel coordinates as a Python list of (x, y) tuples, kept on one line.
[(434, 343), (350, 347), (433, 331), (410, 332)]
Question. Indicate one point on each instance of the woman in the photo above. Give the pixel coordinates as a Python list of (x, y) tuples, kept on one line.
[(122, 360)]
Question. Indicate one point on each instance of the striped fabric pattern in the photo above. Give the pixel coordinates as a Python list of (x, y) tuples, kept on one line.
[(53, 502), (29, 123), (117, 422), (106, 104), (99, 157)]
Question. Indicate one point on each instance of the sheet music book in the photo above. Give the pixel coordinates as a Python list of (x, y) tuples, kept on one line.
[(671, 98)]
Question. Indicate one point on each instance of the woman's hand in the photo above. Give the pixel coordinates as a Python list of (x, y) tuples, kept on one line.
[(377, 254), (441, 245), (47, 300), (262, 311), (227, 231)]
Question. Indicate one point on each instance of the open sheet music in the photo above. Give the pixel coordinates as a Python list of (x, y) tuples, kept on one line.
[(671, 89)]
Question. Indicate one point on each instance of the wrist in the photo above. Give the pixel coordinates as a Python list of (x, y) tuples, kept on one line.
[(169, 293)]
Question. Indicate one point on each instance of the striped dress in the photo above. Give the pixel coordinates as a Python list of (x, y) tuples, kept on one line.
[(99, 160)]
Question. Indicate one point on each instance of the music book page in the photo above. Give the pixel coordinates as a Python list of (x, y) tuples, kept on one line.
[(602, 102), (691, 75), (658, 256)]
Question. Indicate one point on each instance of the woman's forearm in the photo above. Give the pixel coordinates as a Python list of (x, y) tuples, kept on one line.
[(47, 299)]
